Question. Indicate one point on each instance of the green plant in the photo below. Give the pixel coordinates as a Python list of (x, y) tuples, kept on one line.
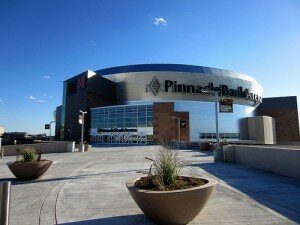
[(165, 169), (223, 143), (28, 154)]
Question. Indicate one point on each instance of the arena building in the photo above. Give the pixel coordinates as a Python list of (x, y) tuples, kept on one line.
[(147, 103)]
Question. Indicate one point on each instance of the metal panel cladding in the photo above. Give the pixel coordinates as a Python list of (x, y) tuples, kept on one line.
[(152, 82)]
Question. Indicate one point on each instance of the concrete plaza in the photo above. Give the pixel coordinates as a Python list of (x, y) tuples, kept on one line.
[(89, 188)]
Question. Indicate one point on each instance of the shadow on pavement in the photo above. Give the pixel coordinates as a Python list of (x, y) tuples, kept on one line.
[(279, 193), (116, 145), (124, 220), (203, 153), (15, 181)]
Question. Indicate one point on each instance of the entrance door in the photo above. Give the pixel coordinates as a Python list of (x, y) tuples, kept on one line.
[(128, 138), (141, 139), (104, 138)]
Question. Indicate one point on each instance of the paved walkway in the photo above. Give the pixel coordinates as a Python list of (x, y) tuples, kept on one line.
[(89, 188)]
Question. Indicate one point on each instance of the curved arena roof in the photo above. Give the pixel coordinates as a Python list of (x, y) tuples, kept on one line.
[(175, 68)]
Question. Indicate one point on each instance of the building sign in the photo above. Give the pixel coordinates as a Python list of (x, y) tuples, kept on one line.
[(99, 130), (225, 105), (76, 85), (174, 87), (154, 86), (182, 123), (81, 82), (47, 126)]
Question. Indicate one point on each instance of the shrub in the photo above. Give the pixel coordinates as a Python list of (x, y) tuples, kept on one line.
[(167, 166), (28, 154)]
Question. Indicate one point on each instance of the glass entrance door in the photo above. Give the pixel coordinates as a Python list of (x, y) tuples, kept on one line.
[(142, 139)]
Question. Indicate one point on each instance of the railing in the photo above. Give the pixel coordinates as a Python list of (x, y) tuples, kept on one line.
[(4, 202)]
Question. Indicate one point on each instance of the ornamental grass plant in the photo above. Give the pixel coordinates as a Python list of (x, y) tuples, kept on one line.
[(165, 173), (28, 154), (166, 167)]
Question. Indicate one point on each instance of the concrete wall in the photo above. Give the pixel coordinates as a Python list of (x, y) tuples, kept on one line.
[(282, 161), (260, 129), (53, 147)]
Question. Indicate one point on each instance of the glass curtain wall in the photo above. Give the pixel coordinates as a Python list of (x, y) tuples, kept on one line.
[(203, 121), (122, 124)]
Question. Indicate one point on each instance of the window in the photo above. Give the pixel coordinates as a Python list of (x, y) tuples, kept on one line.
[(122, 117)]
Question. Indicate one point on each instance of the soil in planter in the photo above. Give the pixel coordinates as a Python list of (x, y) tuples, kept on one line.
[(148, 183), (30, 162)]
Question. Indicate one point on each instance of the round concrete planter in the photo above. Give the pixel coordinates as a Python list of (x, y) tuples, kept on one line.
[(29, 170), (87, 147), (204, 146), (172, 207)]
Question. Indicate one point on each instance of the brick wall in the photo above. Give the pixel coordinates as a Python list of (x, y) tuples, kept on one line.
[(184, 131), (285, 112), (165, 125), (286, 123)]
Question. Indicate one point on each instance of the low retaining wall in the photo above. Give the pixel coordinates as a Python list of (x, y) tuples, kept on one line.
[(282, 161), (50, 147)]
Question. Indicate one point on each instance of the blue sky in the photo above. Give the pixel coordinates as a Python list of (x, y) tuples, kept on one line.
[(42, 43)]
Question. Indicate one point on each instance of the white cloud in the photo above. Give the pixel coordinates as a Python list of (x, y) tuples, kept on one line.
[(36, 99), (48, 96), (160, 21), (46, 77)]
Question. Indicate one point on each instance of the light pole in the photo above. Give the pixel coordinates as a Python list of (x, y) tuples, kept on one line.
[(81, 120), (218, 154), (50, 129)]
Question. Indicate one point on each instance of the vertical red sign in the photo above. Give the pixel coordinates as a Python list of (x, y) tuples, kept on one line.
[(80, 82)]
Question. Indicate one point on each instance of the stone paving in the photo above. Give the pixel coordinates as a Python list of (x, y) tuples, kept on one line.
[(89, 188)]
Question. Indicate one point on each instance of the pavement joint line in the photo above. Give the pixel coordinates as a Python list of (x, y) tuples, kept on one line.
[(24, 205), (43, 202), (229, 188), (71, 176), (56, 185), (73, 156)]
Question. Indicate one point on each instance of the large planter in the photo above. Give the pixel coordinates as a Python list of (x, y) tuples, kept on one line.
[(29, 170), (172, 207), (87, 147), (204, 146)]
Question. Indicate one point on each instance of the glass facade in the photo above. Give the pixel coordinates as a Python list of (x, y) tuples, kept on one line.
[(133, 123), (203, 121), (122, 124)]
